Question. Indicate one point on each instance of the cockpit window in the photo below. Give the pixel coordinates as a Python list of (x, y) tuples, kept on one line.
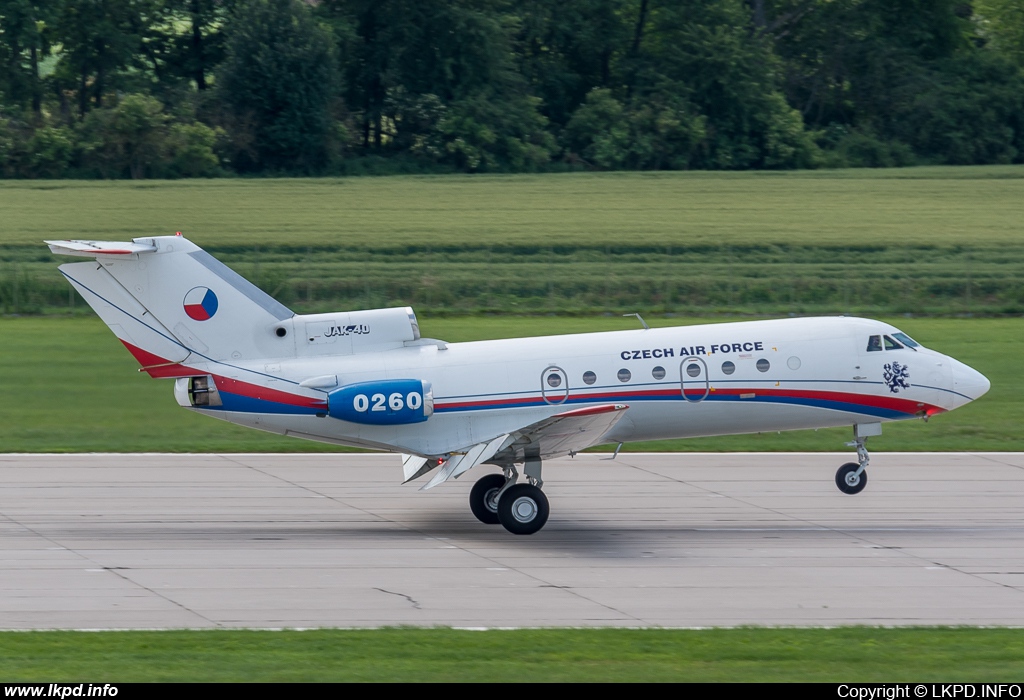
[(906, 340), (891, 344), (875, 343)]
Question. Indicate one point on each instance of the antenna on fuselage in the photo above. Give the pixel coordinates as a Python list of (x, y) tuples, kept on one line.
[(641, 319)]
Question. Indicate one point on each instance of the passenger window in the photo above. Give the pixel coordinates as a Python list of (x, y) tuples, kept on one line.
[(658, 373), (875, 343), (554, 379), (891, 344), (589, 377), (624, 375), (728, 367), (763, 365)]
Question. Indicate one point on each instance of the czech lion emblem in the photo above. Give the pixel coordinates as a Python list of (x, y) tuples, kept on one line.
[(896, 376)]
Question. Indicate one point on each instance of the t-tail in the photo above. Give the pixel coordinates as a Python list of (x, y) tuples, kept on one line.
[(174, 306)]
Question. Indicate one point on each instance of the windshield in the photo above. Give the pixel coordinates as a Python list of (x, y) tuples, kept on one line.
[(906, 340)]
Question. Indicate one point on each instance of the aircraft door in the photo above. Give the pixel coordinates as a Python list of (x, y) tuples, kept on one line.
[(693, 372), (554, 385)]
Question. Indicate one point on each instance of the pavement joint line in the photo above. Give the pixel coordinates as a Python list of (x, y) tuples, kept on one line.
[(233, 458), (988, 457), (464, 548), (116, 571), (848, 532)]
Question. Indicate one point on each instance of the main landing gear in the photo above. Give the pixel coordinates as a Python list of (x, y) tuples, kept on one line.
[(853, 477), (522, 509)]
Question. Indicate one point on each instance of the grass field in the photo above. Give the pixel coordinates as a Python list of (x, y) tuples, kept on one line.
[(67, 385), (916, 240), (879, 243), (855, 654)]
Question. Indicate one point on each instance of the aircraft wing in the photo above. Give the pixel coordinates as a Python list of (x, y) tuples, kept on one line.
[(565, 433), (554, 436)]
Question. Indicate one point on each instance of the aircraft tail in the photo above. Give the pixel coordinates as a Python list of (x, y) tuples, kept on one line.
[(170, 302)]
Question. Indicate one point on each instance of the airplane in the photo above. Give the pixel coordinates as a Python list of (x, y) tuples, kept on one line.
[(368, 379)]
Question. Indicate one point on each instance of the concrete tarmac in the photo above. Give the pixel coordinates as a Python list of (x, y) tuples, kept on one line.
[(674, 540)]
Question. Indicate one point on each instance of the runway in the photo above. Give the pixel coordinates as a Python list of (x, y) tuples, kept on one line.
[(647, 540)]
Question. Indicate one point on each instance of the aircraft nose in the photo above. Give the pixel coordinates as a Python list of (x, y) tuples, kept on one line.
[(969, 381)]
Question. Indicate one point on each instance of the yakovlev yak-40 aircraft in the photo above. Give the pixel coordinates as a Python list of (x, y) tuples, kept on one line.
[(367, 378)]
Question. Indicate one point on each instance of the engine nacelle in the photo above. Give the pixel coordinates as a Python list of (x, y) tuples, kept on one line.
[(387, 402)]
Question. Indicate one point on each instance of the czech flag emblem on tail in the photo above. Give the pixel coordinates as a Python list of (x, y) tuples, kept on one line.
[(200, 303)]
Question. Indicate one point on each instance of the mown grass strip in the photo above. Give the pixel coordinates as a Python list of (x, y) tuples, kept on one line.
[(922, 240), (854, 654)]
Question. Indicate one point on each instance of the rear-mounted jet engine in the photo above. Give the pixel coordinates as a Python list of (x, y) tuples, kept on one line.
[(392, 402)]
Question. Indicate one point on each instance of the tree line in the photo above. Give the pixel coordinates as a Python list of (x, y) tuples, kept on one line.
[(192, 88)]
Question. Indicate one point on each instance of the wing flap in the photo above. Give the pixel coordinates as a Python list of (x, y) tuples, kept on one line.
[(560, 434), (568, 432), (457, 465), (414, 467)]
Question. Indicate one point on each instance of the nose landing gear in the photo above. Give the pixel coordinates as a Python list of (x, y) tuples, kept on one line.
[(522, 509), (851, 478)]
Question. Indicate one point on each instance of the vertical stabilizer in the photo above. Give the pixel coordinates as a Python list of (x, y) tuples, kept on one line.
[(170, 301)]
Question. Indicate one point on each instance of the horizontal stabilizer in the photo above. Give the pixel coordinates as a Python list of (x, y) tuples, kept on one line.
[(93, 248)]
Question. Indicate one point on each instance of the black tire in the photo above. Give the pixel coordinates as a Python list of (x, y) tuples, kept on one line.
[(481, 498), (847, 482), (523, 509)]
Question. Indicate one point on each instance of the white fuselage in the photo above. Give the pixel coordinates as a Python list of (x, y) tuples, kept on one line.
[(679, 382)]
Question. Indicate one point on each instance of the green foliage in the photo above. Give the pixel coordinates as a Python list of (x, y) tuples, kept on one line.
[(705, 52), (44, 152), (10, 147), (662, 133), (862, 148), (129, 138), (191, 151), (786, 144), (436, 79), (26, 36), (188, 39), (900, 75), (568, 49), (101, 40), (138, 138), (972, 113), (485, 133), (1002, 25), (371, 86), (278, 82), (50, 152)]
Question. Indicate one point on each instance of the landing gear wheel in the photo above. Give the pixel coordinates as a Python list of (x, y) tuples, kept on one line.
[(849, 481), (483, 499), (523, 509)]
